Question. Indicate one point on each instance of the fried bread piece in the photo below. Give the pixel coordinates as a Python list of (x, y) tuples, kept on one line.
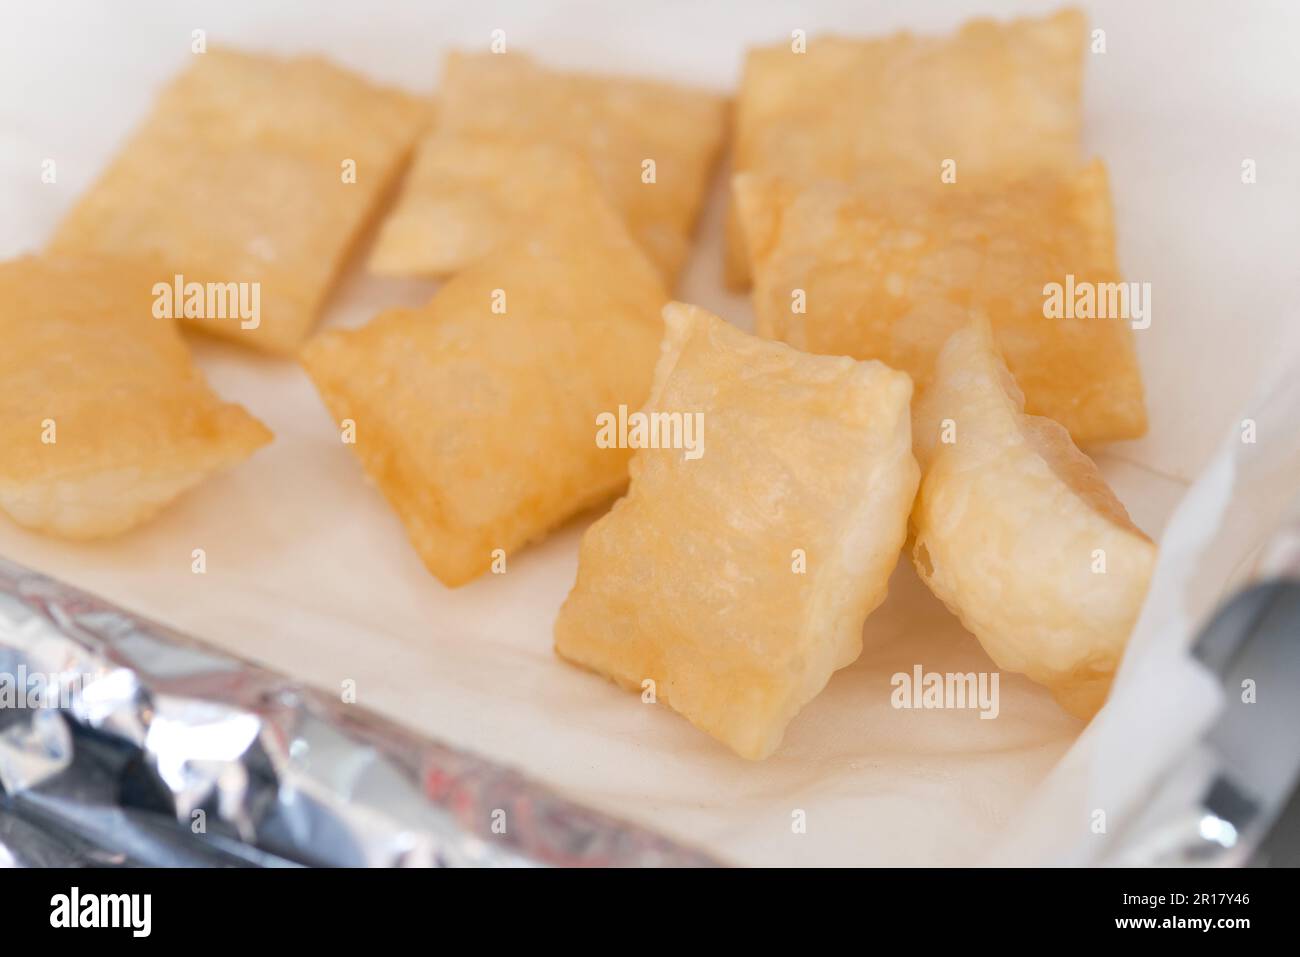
[(103, 417), (476, 415), (467, 196), (652, 146), (737, 579), (999, 99), (251, 169), (1017, 532), (845, 269)]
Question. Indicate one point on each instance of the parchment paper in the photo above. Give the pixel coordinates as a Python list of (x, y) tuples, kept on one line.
[(309, 572)]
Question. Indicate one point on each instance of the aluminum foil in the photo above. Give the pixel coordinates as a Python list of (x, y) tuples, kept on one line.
[(123, 742)]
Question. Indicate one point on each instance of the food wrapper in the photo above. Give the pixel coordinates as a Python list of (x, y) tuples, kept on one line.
[(123, 742)]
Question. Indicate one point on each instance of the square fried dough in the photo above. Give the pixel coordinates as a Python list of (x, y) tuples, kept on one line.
[(999, 99), (890, 275), (240, 174), (616, 123), (103, 418), (737, 580), (476, 415)]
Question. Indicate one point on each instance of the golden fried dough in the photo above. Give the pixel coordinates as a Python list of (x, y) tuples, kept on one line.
[(1017, 532), (737, 580), (103, 418), (999, 99), (618, 124), (854, 270), (476, 415), (241, 175), (467, 196)]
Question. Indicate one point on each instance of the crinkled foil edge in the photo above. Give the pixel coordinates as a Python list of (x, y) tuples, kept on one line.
[(124, 742)]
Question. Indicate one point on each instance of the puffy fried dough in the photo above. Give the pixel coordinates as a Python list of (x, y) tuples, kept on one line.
[(103, 418), (467, 196), (849, 269), (476, 414), (737, 580), (251, 169), (652, 146), (1000, 100), (1017, 532)]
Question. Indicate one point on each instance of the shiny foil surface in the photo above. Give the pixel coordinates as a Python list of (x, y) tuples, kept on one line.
[(125, 743)]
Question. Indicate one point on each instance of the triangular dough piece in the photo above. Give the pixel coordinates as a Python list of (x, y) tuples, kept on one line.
[(652, 146), (890, 275), (1017, 532), (737, 580), (103, 417), (251, 169), (476, 414), (998, 99)]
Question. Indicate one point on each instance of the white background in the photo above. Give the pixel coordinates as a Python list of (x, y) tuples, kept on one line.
[(309, 571)]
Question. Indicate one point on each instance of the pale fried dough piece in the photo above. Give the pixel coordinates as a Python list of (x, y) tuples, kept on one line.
[(480, 427), (1017, 532), (890, 275), (103, 418), (615, 123), (692, 581), (466, 196), (1000, 99), (238, 175)]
